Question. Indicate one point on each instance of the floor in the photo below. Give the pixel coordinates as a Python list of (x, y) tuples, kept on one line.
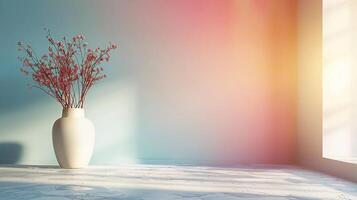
[(139, 182)]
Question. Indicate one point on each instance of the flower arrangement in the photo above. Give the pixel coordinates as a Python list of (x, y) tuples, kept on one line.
[(67, 71)]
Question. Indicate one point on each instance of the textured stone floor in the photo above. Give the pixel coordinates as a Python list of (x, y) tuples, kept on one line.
[(139, 182)]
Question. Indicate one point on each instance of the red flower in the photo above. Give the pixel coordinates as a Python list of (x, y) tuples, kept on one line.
[(61, 74)]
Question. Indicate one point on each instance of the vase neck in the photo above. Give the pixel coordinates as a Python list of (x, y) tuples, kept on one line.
[(73, 112)]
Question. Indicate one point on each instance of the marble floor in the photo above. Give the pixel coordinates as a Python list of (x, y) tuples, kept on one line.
[(140, 182)]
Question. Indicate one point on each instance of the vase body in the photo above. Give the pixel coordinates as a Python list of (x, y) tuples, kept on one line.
[(73, 139)]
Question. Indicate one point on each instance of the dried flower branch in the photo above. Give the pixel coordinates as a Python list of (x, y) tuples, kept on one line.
[(67, 71)]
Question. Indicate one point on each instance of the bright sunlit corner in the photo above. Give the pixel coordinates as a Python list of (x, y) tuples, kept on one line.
[(178, 100), (339, 95)]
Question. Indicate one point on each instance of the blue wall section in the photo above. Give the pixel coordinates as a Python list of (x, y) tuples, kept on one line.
[(26, 117)]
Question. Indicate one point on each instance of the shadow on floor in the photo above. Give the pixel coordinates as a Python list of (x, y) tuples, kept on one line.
[(21, 190)]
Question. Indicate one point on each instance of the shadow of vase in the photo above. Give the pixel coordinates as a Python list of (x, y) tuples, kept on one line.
[(10, 152)]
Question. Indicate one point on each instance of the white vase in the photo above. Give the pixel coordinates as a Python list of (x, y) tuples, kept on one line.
[(73, 139)]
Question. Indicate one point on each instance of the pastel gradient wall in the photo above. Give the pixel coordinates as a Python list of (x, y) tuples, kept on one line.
[(193, 82)]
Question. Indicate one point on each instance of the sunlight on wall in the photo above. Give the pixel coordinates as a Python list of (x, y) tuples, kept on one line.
[(115, 139), (339, 79)]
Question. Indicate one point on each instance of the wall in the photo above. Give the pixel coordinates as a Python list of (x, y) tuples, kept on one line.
[(193, 82), (310, 84), (339, 80)]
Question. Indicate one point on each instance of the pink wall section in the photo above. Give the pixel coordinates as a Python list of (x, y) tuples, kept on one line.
[(218, 81), (267, 38)]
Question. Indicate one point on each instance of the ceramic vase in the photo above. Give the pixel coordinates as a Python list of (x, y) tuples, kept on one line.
[(73, 139)]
